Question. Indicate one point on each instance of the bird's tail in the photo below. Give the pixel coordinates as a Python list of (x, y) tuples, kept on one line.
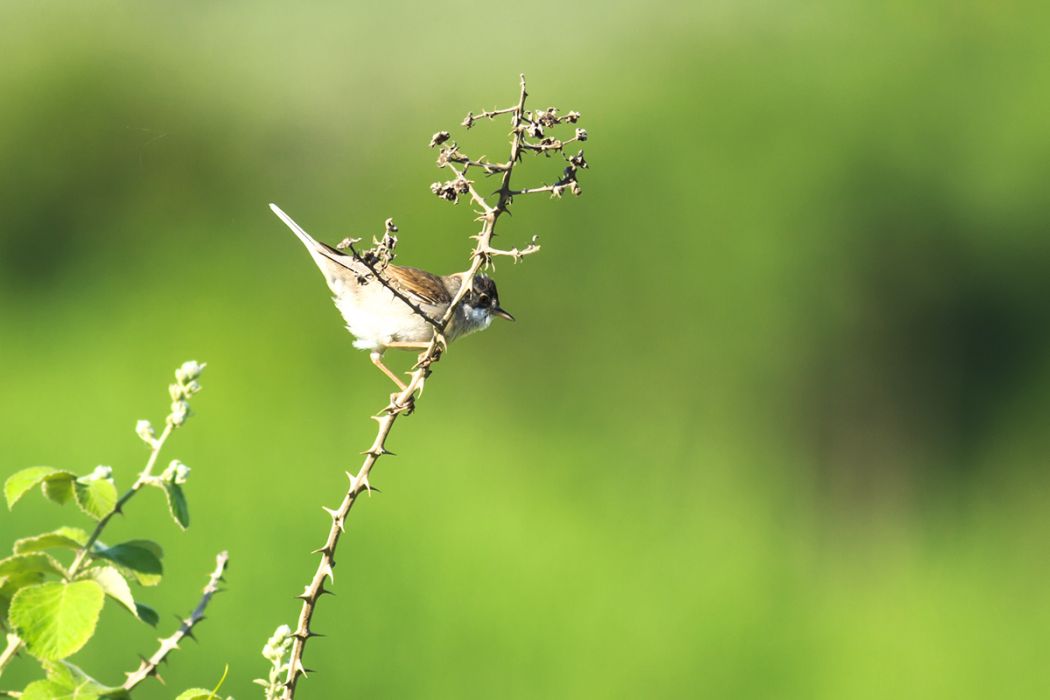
[(334, 265), (312, 245)]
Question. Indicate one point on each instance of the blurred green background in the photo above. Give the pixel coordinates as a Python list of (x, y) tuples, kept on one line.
[(772, 422)]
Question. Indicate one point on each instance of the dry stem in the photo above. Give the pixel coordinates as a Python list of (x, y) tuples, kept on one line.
[(148, 667), (404, 402)]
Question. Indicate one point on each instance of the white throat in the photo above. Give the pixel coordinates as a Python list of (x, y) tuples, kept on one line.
[(470, 319)]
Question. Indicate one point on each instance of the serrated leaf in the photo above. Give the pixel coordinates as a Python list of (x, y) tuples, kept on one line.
[(96, 497), (63, 537), (23, 570), (25, 563), (115, 586), (56, 619), (19, 483), (177, 505), (147, 614), (196, 694), (140, 557), (10, 584)]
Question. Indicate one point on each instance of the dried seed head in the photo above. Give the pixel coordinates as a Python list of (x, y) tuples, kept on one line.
[(439, 138)]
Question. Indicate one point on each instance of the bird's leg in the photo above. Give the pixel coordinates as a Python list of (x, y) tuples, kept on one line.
[(377, 360), (412, 346)]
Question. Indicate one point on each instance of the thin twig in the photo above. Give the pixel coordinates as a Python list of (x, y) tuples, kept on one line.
[(148, 667), (14, 643), (145, 477)]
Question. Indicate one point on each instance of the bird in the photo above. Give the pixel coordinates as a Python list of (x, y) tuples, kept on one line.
[(379, 319)]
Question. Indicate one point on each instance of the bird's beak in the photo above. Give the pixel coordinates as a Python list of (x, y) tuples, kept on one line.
[(502, 313)]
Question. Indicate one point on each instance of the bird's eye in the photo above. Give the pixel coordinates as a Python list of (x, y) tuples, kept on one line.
[(483, 300)]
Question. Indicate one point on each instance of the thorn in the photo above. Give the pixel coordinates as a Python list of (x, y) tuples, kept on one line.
[(331, 511), (323, 550), (327, 569)]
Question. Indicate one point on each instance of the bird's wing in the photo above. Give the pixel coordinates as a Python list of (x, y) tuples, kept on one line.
[(419, 283)]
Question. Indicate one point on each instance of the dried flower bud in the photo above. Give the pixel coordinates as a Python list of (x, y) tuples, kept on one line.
[(389, 226), (574, 187), (578, 160), (144, 429), (469, 121), (571, 117), (581, 134), (534, 130), (452, 189), (439, 138), (547, 117)]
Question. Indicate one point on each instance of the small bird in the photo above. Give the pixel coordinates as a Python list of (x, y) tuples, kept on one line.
[(378, 319)]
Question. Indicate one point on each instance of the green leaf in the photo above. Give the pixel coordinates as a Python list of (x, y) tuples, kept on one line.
[(59, 488), (32, 562), (177, 504), (196, 694), (67, 682), (19, 483), (23, 570), (67, 537), (10, 584), (96, 496), (56, 619), (141, 557), (147, 614), (50, 690), (114, 584)]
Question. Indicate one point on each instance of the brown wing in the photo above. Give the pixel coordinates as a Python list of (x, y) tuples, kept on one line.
[(418, 283)]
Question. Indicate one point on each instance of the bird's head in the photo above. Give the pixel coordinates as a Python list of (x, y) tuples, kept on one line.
[(482, 301)]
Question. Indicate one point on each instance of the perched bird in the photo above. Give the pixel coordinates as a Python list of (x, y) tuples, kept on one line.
[(379, 319)]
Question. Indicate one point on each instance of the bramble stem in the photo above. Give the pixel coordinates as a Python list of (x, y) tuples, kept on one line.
[(404, 401), (148, 667)]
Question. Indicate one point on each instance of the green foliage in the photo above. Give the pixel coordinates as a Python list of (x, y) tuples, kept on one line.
[(141, 558), (67, 682), (195, 694), (96, 493), (64, 537), (52, 619), (19, 483), (116, 587), (57, 618), (177, 505)]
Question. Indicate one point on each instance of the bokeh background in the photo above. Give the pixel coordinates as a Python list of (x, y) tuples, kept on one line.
[(772, 422)]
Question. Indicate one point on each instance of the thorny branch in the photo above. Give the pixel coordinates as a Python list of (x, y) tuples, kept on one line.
[(523, 124), (148, 667)]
